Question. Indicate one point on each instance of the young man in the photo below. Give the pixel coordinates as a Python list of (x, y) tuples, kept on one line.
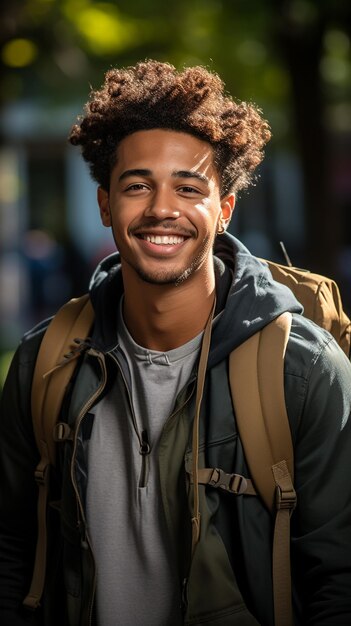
[(169, 151)]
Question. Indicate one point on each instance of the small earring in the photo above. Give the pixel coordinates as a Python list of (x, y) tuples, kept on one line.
[(221, 228)]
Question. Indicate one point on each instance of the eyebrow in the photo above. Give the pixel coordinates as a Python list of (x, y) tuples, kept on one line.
[(135, 172), (190, 174), (175, 174)]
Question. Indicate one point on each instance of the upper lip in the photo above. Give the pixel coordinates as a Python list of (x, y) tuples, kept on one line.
[(163, 232)]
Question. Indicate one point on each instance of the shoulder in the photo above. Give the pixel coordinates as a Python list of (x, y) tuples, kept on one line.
[(308, 344), (317, 375), (29, 345), (15, 405), (21, 369)]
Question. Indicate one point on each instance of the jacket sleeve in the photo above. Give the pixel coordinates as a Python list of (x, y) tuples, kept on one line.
[(321, 523), (18, 491)]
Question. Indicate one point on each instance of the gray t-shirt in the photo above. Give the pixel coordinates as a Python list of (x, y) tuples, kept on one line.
[(136, 579)]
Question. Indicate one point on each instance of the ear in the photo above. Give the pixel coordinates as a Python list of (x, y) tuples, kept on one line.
[(104, 204), (227, 208)]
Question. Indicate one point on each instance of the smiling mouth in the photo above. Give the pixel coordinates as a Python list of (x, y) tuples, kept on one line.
[(163, 240)]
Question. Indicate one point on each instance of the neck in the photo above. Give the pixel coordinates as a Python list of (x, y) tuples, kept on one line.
[(164, 317)]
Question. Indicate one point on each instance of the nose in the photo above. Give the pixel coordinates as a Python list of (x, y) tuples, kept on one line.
[(162, 205)]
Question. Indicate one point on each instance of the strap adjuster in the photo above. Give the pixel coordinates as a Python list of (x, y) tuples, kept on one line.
[(62, 432), (229, 482), (285, 499), (41, 474)]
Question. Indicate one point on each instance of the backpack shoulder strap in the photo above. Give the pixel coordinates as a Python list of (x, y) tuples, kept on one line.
[(73, 320), (256, 372)]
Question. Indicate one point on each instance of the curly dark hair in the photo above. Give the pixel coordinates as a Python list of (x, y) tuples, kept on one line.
[(151, 95)]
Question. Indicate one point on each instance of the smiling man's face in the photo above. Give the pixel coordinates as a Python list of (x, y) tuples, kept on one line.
[(164, 206)]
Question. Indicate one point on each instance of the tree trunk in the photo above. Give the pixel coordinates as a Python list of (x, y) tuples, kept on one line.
[(302, 46)]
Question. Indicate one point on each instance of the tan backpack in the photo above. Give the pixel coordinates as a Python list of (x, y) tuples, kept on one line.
[(256, 372), (320, 297)]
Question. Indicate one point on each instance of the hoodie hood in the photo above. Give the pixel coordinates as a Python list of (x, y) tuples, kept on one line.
[(253, 299), (247, 298)]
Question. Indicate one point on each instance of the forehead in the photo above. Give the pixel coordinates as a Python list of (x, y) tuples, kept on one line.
[(166, 151)]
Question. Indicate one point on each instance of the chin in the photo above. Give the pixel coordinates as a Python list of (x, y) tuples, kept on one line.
[(165, 278)]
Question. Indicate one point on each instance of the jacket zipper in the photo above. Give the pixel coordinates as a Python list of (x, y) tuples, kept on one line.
[(144, 444), (184, 584), (184, 596), (145, 459), (85, 541)]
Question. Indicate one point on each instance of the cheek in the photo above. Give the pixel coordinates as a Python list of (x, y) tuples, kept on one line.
[(207, 211), (120, 216), (128, 211)]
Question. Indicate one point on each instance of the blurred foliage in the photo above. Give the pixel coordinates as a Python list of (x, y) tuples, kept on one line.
[(54, 50), (291, 57)]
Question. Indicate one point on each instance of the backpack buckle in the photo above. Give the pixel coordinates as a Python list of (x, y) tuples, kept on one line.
[(235, 483)]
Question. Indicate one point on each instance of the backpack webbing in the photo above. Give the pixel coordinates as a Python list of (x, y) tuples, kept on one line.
[(50, 381), (256, 373)]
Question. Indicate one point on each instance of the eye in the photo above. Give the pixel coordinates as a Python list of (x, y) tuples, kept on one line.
[(137, 187), (187, 189)]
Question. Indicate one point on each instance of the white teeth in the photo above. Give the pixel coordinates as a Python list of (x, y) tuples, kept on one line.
[(163, 239)]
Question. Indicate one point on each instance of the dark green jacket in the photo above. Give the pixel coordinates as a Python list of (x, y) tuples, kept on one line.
[(228, 581)]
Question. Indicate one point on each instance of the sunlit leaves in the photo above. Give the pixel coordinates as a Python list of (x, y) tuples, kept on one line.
[(19, 52), (103, 29)]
